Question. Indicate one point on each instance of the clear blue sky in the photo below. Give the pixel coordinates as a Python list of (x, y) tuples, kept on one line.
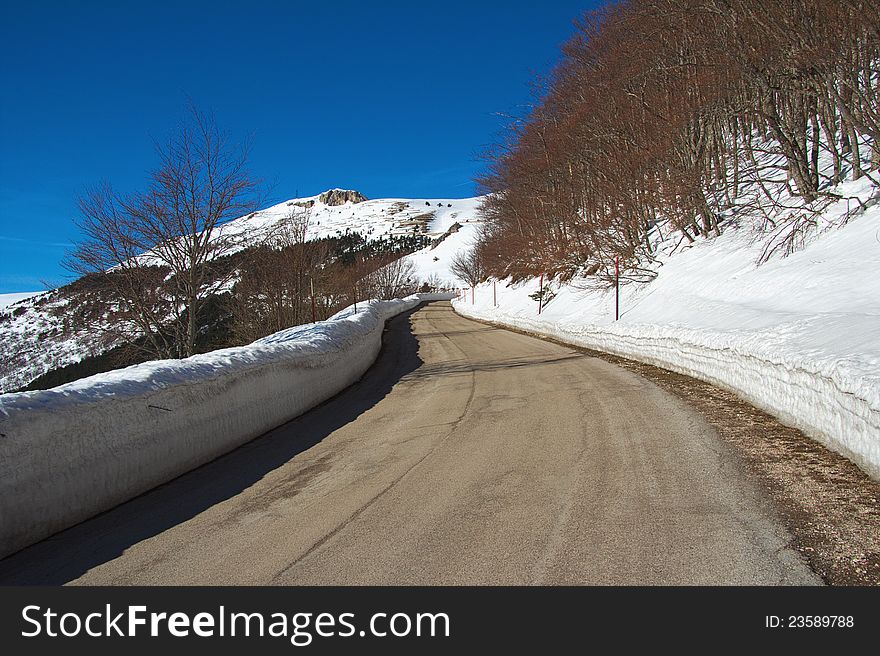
[(390, 98)]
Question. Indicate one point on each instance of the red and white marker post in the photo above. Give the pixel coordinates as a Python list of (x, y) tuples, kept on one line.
[(541, 295), (616, 288)]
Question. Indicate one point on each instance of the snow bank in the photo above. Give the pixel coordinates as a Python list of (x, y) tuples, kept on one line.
[(71, 452), (798, 337)]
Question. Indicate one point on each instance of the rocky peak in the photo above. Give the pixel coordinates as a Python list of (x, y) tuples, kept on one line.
[(341, 196)]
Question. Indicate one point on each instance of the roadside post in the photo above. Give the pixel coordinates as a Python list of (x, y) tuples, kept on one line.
[(616, 288), (541, 295), (494, 296)]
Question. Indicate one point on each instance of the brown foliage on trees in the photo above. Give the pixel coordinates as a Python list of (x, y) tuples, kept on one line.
[(278, 280), (470, 266), (667, 109), (274, 280)]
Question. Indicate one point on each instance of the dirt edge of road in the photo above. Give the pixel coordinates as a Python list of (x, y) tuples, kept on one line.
[(829, 505)]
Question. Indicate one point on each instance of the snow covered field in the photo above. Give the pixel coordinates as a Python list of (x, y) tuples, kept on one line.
[(379, 218), (433, 263), (372, 218), (797, 336), (8, 299), (73, 451)]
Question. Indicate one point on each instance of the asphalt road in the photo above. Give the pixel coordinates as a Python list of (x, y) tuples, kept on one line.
[(466, 455)]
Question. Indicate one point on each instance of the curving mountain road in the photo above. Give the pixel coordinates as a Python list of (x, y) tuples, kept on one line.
[(467, 454)]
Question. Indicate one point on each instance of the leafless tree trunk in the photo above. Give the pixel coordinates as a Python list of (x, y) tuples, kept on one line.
[(396, 279), (469, 266), (174, 226)]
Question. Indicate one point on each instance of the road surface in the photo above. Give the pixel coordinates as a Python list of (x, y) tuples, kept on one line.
[(467, 455)]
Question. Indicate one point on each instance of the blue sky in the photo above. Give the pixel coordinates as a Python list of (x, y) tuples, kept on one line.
[(390, 98)]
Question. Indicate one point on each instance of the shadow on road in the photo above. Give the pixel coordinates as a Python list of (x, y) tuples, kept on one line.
[(69, 554), (448, 369), (458, 332)]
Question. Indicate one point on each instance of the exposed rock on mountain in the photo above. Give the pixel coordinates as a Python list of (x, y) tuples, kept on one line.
[(341, 196)]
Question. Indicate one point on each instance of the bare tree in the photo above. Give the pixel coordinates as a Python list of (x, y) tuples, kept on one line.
[(293, 228), (431, 284), (393, 280), (468, 266), (275, 279), (154, 250)]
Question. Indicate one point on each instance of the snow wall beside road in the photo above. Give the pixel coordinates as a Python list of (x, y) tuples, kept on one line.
[(79, 449)]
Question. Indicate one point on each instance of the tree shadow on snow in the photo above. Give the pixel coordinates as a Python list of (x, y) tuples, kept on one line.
[(71, 553)]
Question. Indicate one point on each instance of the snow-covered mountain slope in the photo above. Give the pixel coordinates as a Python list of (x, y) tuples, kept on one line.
[(432, 217), (8, 299), (432, 263), (37, 334), (798, 336), (374, 219)]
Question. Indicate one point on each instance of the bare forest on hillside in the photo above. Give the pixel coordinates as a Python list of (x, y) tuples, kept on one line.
[(664, 113)]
